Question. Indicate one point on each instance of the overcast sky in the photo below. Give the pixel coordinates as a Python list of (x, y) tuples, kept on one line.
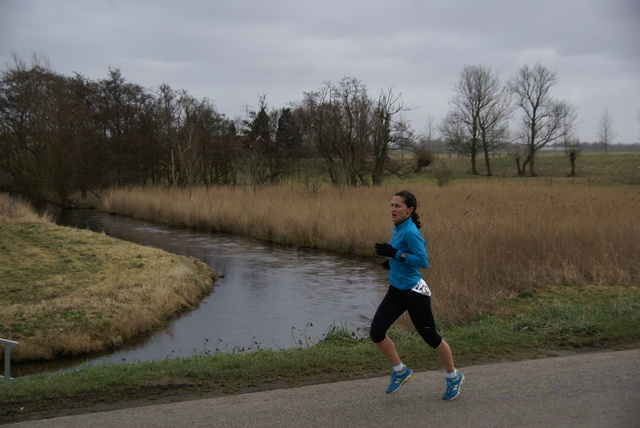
[(232, 52)]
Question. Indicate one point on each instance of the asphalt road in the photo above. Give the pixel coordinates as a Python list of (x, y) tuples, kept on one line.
[(586, 390)]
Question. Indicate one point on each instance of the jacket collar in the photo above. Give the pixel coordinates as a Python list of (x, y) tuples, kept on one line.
[(404, 223)]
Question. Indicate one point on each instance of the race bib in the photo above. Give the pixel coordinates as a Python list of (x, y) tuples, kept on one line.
[(422, 288)]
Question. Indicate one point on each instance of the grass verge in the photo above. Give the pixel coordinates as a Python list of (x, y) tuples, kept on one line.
[(545, 322)]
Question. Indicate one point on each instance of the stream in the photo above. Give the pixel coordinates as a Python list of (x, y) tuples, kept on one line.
[(269, 296)]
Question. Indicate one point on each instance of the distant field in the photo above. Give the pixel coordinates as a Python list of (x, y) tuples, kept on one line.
[(596, 168)]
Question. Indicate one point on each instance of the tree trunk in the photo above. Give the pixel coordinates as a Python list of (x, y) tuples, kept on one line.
[(474, 154), (530, 159), (572, 159), (487, 162)]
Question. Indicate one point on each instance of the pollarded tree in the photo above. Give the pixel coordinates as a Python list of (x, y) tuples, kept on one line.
[(544, 119), (423, 148)]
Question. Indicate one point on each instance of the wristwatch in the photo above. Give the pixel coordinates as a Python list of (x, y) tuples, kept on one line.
[(403, 256)]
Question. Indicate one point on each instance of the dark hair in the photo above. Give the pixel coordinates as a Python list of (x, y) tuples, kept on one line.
[(410, 200)]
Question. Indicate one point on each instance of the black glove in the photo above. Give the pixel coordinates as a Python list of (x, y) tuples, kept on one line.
[(385, 265), (385, 250)]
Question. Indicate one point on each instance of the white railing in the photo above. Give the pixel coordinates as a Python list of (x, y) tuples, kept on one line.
[(7, 357)]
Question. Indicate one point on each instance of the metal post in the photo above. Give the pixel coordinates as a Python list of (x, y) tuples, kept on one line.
[(7, 357)]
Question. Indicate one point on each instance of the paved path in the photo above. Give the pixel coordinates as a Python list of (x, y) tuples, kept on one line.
[(587, 390)]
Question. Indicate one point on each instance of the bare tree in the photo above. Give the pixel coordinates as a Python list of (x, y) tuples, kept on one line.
[(606, 134), (263, 129), (254, 164), (455, 136), (124, 121), (60, 134), (351, 109), (352, 132), (388, 130), (193, 145), (317, 129), (190, 143), (479, 119), (20, 152), (495, 109), (167, 114), (180, 132), (43, 127), (544, 119), (429, 133), (338, 119)]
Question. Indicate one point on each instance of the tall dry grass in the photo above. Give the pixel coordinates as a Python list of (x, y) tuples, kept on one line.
[(484, 240), (14, 208)]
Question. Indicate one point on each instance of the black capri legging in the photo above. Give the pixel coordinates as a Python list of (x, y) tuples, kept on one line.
[(394, 304)]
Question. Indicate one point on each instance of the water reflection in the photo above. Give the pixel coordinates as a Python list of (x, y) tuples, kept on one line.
[(270, 296)]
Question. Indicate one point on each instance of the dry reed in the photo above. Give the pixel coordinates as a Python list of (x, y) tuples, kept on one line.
[(14, 208), (485, 240)]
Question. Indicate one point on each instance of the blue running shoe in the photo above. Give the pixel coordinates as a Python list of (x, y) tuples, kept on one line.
[(398, 379), (453, 387)]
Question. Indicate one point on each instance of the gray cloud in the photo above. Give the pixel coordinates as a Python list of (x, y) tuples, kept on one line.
[(233, 52)]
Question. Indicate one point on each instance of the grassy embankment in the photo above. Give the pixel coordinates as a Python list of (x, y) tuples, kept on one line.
[(68, 292), (518, 271)]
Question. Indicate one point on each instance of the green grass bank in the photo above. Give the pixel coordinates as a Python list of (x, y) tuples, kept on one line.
[(535, 324)]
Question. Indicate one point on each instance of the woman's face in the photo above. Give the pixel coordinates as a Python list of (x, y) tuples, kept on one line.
[(399, 210)]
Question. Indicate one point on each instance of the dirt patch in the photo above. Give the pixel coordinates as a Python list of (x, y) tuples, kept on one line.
[(160, 392)]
